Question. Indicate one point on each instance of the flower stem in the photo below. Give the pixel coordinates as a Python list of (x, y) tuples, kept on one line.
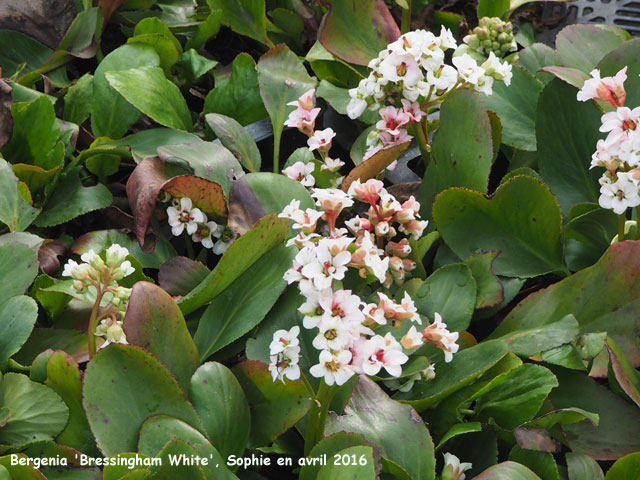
[(312, 394), (638, 223), (622, 218), (405, 24), (423, 143), (318, 416), (93, 319)]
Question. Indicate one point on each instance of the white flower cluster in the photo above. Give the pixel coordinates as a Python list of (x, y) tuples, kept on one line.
[(619, 153), (346, 324), (304, 118), (183, 216), (411, 75)]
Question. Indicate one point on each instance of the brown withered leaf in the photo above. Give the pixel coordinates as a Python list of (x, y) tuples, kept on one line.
[(536, 439), (180, 275), (48, 254), (6, 120), (374, 165), (244, 207)]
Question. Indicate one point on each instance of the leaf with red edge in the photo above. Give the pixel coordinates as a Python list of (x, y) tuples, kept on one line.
[(155, 323), (507, 471), (627, 376), (108, 7), (355, 31), (205, 194), (572, 76), (374, 165), (275, 406), (180, 275)]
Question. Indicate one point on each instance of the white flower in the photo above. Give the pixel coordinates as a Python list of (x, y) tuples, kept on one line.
[(93, 259), (610, 89), (183, 215), (468, 69), (344, 305), (620, 195), (285, 364), (116, 255), (301, 172), (396, 68), (442, 338), (284, 339), (381, 352), (455, 469), (333, 333), (124, 270), (334, 368), (496, 69), (204, 234), (412, 338), (619, 122), (321, 139), (331, 164), (112, 332), (356, 106), (76, 271)]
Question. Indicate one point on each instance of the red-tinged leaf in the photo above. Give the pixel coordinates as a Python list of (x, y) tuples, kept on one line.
[(355, 31), (108, 7), (155, 323), (536, 439), (627, 376), (48, 254), (180, 275), (572, 76), (507, 471), (6, 120), (205, 194), (374, 165)]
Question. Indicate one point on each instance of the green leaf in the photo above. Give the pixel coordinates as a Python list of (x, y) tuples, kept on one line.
[(126, 375), (518, 398), (37, 412), (35, 134), (459, 161), (282, 78), (159, 430), (466, 366), (334, 72), (564, 162), (17, 317), (246, 17), (507, 471), (459, 429), (112, 114), (328, 446), (163, 46), (587, 237), (236, 139), (343, 466), (15, 213), (147, 142), (583, 46), (167, 470), (355, 32), (244, 303), (27, 471), (563, 416), (153, 25), (205, 31), (154, 322), (535, 340), (522, 219), (21, 49), (18, 269), (516, 106), (617, 433), (63, 377), (627, 376), (603, 298), (244, 252), (275, 406), (451, 292), (179, 275), (222, 406), (541, 463), (147, 89), (492, 8), (339, 98), (71, 199), (582, 466), (383, 421), (239, 95), (535, 57), (191, 66), (490, 289), (572, 76)]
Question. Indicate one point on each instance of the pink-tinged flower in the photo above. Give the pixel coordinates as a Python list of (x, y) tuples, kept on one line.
[(392, 119), (311, 308), (332, 201), (182, 215), (303, 120), (367, 258), (306, 220), (327, 267), (358, 224), (620, 195), (437, 334), (334, 368), (388, 206), (204, 233), (414, 227), (301, 172), (380, 352), (453, 469), (400, 249), (411, 339), (369, 191), (331, 164), (374, 314), (336, 245), (321, 140), (389, 140), (413, 110), (610, 89), (290, 210), (619, 122), (306, 100), (284, 339), (344, 305), (306, 256), (333, 334), (396, 68)]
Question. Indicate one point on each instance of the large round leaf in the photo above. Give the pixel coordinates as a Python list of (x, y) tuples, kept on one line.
[(507, 471), (18, 269), (158, 430), (17, 318), (522, 219), (123, 386)]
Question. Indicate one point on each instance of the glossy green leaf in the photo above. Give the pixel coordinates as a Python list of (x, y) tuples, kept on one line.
[(335, 73), (564, 162), (383, 421), (329, 446), (459, 429), (583, 46), (244, 303), (71, 199), (459, 161), (572, 76), (17, 317), (78, 99), (126, 375), (617, 433), (239, 95), (588, 236), (342, 465), (581, 466), (112, 114), (147, 142), (205, 30), (627, 376), (490, 289), (535, 57), (492, 8), (222, 407), (163, 46), (339, 99), (563, 416), (236, 139), (244, 252), (507, 471), (159, 430), (63, 377), (275, 406), (541, 463), (355, 32), (516, 106), (26, 472), (282, 78), (602, 298), (451, 292), (15, 213), (538, 339), (246, 17), (18, 269), (153, 25), (21, 49), (154, 322), (466, 366), (522, 219), (169, 470), (147, 89), (37, 412)]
